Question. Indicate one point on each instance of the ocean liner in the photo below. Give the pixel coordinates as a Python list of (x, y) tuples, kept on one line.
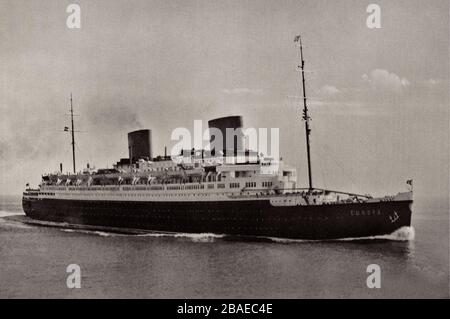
[(214, 191)]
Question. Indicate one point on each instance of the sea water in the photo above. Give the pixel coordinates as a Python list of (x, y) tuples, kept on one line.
[(414, 263)]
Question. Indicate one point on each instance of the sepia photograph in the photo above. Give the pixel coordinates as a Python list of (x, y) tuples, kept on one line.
[(211, 150)]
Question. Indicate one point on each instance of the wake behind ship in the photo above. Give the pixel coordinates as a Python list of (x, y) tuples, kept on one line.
[(232, 191)]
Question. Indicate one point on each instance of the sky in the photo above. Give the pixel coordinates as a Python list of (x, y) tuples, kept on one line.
[(379, 98)]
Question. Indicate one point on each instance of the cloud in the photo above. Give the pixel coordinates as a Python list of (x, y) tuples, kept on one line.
[(329, 90), (432, 82), (237, 91), (380, 79)]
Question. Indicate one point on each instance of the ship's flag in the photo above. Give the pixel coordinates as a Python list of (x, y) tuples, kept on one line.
[(66, 129), (297, 38)]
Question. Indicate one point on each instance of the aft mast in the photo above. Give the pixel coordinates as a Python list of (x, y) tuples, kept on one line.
[(305, 116)]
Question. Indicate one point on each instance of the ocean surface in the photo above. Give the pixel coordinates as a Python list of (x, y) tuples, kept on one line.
[(34, 259)]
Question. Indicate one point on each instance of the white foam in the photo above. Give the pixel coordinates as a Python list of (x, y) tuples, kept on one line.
[(13, 224), (195, 237), (402, 234), (4, 213), (91, 232), (202, 237), (288, 240), (405, 233)]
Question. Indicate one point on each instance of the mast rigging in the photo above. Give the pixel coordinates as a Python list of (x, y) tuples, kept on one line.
[(73, 134), (305, 116)]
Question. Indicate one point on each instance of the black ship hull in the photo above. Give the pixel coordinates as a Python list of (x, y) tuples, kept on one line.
[(244, 218)]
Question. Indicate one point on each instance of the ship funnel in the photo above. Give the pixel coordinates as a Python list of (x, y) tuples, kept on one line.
[(139, 145), (232, 139)]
